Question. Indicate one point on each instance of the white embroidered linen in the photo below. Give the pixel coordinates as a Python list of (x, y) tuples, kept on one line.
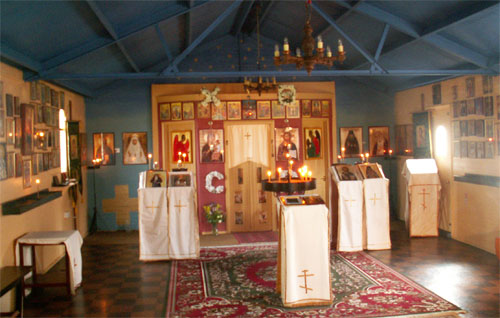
[(153, 224), (376, 192)]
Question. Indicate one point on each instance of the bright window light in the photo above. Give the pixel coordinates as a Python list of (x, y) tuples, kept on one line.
[(62, 143), (441, 141)]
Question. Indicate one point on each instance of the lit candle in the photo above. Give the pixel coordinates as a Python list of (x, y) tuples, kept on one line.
[(268, 175), (276, 50), (279, 174), (341, 47), (339, 157), (297, 52), (309, 174), (37, 181), (362, 158), (367, 156), (155, 165), (149, 160), (184, 157), (390, 152), (328, 51), (286, 47), (320, 42)]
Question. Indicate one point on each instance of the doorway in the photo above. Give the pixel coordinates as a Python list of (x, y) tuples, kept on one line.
[(248, 158)]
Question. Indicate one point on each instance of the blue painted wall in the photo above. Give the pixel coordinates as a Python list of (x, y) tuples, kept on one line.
[(127, 108)]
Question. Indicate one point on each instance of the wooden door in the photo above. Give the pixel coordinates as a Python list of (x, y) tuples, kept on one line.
[(248, 157), (442, 154), (316, 132)]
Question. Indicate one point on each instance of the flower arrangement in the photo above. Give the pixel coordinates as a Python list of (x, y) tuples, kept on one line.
[(214, 215)]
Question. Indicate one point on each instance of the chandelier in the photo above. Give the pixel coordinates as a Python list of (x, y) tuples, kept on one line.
[(260, 86), (310, 58)]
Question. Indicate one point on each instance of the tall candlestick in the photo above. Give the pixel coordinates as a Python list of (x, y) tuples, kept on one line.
[(367, 156), (279, 174), (37, 181), (149, 160), (309, 174), (268, 175)]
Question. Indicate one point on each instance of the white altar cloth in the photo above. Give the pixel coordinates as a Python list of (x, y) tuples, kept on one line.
[(350, 219), (305, 255), (71, 239), (183, 223), (153, 224), (376, 192), (422, 197)]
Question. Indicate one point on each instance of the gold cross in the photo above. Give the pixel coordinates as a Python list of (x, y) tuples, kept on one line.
[(152, 207), (350, 201), (247, 135), (374, 199), (423, 193), (305, 280), (179, 206)]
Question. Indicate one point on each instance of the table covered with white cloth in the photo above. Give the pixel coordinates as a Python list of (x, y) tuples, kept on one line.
[(72, 240), (377, 216), (304, 277), (422, 197), (153, 224)]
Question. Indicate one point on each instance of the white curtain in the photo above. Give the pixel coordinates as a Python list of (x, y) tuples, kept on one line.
[(250, 143)]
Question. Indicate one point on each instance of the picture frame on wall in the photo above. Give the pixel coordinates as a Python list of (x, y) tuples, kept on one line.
[(211, 145), (378, 140), (264, 109), (470, 87), (489, 150), (203, 110), (11, 164), (9, 105), (3, 161), (422, 141), (234, 110), (34, 166), (293, 109), (325, 108), (312, 143), (188, 111), (436, 94), (316, 108), (2, 123), (351, 141), (104, 148), (249, 109), (306, 108), (19, 165), (26, 173), (19, 133), (17, 106), (277, 110), (219, 112), (164, 109), (182, 143), (287, 141), (27, 126), (135, 148), (176, 111)]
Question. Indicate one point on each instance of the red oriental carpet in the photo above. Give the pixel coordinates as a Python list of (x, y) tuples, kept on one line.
[(255, 237), (239, 281)]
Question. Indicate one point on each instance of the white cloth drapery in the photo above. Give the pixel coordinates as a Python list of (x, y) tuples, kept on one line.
[(153, 224), (350, 216), (376, 192), (422, 197), (71, 239), (247, 145), (304, 256)]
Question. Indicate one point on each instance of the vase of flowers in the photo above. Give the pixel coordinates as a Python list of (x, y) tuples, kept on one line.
[(214, 215)]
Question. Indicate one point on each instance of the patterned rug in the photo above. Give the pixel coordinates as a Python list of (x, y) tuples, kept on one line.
[(256, 237), (239, 281)]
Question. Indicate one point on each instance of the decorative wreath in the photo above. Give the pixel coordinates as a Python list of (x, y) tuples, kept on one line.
[(208, 182), (286, 94)]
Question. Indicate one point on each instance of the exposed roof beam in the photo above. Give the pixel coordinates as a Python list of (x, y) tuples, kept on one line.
[(241, 17), (109, 28), (350, 9), (347, 37), (101, 43), (429, 35), (19, 58), (164, 44), (77, 88), (263, 15), (381, 42), (228, 74), (202, 36), (188, 33)]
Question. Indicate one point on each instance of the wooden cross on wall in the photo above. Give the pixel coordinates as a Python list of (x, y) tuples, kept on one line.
[(121, 205)]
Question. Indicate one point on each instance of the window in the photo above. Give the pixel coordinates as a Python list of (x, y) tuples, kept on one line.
[(441, 141)]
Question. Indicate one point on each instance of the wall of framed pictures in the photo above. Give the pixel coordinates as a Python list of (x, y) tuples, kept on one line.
[(472, 105), (30, 150)]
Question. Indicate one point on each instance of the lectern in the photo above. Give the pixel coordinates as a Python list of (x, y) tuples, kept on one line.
[(422, 197)]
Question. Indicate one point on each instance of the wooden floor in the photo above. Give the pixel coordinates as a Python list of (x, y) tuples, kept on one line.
[(117, 284)]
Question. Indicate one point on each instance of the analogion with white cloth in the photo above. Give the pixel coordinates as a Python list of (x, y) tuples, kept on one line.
[(72, 240), (350, 212), (304, 253), (153, 224), (376, 209), (183, 223), (422, 197)]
